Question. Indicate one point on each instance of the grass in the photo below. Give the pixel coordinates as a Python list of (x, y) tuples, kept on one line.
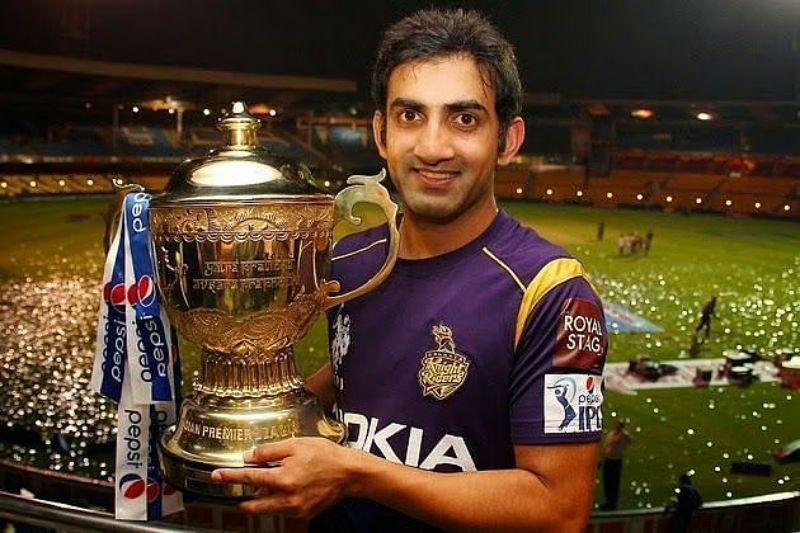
[(752, 265)]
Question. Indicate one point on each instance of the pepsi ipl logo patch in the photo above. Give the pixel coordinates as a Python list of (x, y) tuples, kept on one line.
[(572, 403)]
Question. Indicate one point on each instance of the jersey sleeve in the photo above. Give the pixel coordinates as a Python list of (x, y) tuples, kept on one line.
[(556, 386)]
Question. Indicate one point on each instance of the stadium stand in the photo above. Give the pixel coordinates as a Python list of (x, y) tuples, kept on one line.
[(144, 141), (755, 171), (12, 186), (559, 184), (728, 193), (512, 182)]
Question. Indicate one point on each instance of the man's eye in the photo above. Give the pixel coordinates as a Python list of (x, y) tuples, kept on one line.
[(466, 119), (408, 115)]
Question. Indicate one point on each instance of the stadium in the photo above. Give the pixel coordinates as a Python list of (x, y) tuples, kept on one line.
[(674, 180)]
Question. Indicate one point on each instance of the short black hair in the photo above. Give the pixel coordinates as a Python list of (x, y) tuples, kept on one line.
[(436, 33)]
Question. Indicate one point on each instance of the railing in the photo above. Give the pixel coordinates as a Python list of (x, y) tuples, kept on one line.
[(776, 512), (63, 517), (779, 513)]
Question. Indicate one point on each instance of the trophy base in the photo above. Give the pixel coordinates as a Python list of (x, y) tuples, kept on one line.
[(214, 432)]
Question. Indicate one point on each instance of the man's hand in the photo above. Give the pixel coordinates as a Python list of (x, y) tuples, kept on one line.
[(313, 474), (551, 488)]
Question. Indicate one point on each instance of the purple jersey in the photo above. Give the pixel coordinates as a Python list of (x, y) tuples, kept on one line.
[(457, 358)]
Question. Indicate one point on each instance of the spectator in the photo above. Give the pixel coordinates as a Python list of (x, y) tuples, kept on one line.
[(614, 447), (688, 500)]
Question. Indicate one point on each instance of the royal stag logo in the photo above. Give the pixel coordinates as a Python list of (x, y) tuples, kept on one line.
[(444, 369)]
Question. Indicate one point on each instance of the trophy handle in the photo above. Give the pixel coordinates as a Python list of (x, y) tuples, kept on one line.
[(115, 214), (365, 189)]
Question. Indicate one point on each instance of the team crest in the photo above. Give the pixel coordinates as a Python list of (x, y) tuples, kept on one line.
[(444, 369)]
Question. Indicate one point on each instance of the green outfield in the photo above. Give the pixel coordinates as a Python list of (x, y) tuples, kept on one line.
[(751, 265)]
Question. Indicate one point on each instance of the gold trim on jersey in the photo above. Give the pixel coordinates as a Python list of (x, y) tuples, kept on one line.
[(549, 277), (356, 252), (505, 267)]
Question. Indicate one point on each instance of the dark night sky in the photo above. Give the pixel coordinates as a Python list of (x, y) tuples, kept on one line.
[(694, 49)]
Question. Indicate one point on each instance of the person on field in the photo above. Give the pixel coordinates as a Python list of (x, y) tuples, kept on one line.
[(709, 312), (614, 446), (648, 241)]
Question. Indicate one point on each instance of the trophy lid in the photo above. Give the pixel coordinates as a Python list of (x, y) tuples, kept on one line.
[(240, 170)]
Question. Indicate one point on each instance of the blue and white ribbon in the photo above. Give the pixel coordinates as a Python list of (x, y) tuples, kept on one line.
[(137, 366)]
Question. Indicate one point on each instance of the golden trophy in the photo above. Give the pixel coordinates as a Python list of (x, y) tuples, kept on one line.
[(241, 241)]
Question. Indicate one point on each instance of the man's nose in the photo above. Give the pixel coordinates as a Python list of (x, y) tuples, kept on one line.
[(434, 144)]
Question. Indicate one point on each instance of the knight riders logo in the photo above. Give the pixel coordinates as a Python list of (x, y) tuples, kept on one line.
[(444, 369)]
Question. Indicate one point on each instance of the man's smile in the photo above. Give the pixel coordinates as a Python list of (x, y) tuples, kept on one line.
[(433, 177)]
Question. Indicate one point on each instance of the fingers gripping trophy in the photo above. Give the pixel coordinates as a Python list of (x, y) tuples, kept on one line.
[(241, 241)]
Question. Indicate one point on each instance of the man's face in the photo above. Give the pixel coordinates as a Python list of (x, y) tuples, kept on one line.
[(441, 141)]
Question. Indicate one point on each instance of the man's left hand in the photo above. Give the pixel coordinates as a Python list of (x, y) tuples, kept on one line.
[(311, 474)]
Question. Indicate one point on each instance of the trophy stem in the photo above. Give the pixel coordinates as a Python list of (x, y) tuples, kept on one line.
[(240, 402), (268, 373)]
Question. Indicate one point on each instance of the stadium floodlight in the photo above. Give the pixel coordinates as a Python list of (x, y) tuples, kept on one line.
[(639, 197), (549, 192), (704, 116), (669, 199), (757, 205), (519, 190), (786, 207), (642, 113), (728, 203), (609, 195)]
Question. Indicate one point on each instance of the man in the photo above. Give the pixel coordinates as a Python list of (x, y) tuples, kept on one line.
[(614, 447), (456, 378), (687, 501), (648, 241), (709, 311)]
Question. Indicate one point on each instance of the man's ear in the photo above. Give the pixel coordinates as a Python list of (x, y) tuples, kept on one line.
[(515, 136), (379, 132)]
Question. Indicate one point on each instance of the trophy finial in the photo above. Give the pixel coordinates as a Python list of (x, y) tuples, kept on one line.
[(239, 126)]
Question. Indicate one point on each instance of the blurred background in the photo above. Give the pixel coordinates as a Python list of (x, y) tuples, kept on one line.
[(663, 150)]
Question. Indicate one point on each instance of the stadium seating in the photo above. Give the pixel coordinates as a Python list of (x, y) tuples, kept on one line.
[(560, 184), (512, 182), (652, 166), (12, 186)]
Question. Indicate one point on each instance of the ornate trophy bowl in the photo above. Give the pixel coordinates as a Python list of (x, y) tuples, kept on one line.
[(241, 241)]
